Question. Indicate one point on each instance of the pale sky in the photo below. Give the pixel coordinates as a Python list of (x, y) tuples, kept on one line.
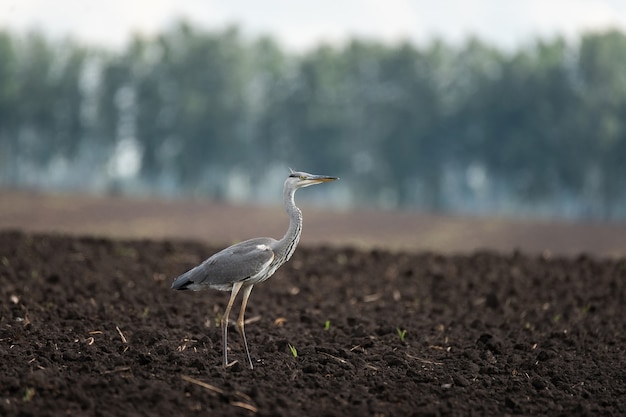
[(299, 25)]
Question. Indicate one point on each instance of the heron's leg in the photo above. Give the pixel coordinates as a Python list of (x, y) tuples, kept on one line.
[(233, 295), (240, 320)]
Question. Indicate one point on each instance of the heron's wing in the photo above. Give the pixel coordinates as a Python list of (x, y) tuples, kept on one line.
[(235, 263)]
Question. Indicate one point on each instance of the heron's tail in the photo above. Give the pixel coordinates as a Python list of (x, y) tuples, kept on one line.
[(183, 282), (191, 280)]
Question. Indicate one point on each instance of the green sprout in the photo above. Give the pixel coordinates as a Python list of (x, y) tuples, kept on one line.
[(293, 350), (327, 325), (401, 333), (29, 393)]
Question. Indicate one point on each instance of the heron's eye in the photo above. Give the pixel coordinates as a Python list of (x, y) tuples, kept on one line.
[(302, 177)]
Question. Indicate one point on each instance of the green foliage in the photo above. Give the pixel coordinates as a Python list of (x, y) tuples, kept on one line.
[(28, 395), (293, 350), (401, 333), (401, 124)]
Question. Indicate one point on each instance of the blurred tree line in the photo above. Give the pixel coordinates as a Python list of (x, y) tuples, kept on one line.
[(467, 129)]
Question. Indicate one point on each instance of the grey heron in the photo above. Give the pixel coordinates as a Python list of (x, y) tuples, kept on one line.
[(240, 266)]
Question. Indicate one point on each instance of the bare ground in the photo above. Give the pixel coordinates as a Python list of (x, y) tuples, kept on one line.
[(219, 223), (89, 325)]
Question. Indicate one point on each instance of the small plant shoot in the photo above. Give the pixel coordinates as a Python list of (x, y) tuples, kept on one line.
[(293, 350), (401, 334)]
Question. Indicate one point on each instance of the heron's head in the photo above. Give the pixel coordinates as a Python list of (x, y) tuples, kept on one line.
[(304, 179)]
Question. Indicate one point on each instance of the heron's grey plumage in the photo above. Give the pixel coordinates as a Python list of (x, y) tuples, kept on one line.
[(252, 261), (240, 262)]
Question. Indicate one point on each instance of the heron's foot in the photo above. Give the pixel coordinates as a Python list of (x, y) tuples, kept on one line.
[(228, 365)]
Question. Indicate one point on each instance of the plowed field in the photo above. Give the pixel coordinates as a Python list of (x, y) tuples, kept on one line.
[(90, 326)]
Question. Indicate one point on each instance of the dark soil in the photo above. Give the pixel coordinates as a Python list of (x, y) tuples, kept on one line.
[(90, 327)]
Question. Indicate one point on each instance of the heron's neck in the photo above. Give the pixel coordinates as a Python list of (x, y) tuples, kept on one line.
[(289, 242)]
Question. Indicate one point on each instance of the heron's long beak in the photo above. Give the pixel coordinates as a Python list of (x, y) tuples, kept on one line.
[(322, 178)]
